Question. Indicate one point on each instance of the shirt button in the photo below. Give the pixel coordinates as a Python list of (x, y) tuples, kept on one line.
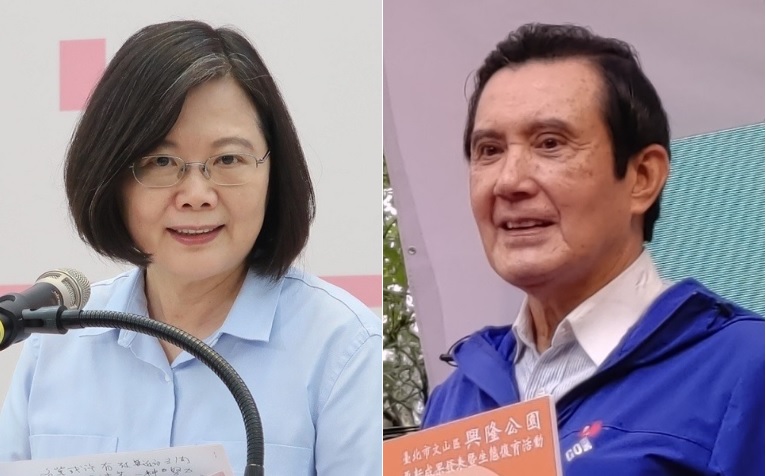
[(167, 378), (540, 392)]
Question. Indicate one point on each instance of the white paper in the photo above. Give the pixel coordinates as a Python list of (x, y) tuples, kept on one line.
[(202, 460)]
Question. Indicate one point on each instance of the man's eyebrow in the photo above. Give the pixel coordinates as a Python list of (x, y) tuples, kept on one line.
[(548, 123), (480, 134), (530, 128)]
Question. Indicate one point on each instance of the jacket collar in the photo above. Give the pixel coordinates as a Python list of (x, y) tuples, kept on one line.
[(683, 314)]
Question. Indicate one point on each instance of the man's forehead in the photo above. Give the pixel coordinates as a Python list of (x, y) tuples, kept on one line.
[(566, 87), (555, 70)]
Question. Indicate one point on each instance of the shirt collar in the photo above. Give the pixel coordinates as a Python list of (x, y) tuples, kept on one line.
[(251, 316), (522, 329), (600, 322), (125, 294)]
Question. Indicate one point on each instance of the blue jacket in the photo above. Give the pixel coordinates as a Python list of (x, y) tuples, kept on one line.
[(682, 394)]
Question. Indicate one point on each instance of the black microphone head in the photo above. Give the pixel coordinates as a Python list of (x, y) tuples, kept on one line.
[(73, 286)]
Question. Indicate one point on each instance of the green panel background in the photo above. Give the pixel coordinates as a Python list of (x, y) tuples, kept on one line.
[(711, 224)]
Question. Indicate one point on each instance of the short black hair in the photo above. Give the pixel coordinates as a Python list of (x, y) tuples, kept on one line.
[(134, 106), (632, 109)]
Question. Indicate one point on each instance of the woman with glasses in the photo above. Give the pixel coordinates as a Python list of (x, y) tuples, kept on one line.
[(186, 164)]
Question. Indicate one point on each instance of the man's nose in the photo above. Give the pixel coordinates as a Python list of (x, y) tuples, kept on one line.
[(515, 179)]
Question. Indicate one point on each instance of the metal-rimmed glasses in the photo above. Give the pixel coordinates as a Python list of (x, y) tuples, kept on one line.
[(162, 170)]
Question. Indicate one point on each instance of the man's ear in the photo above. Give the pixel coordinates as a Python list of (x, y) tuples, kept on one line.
[(649, 170)]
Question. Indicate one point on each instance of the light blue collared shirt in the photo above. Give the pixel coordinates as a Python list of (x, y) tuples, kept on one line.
[(309, 352)]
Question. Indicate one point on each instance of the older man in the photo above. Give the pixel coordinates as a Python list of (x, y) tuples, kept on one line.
[(568, 149)]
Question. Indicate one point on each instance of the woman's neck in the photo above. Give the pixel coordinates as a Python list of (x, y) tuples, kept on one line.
[(197, 307)]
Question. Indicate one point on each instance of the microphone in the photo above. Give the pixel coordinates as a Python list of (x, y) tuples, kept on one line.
[(61, 287), (52, 306)]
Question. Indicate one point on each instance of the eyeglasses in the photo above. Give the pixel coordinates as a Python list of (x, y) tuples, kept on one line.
[(157, 171)]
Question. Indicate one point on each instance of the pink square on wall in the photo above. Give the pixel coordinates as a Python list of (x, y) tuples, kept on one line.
[(368, 289), (81, 63)]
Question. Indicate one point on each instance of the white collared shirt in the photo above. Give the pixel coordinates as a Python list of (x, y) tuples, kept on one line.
[(587, 335)]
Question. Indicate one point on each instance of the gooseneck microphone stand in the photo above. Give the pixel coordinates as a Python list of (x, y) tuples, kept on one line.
[(58, 320)]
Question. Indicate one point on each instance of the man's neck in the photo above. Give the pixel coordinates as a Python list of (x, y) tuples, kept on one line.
[(550, 305)]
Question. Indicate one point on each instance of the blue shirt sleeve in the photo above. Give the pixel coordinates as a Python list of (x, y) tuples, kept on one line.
[(349, 427)]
